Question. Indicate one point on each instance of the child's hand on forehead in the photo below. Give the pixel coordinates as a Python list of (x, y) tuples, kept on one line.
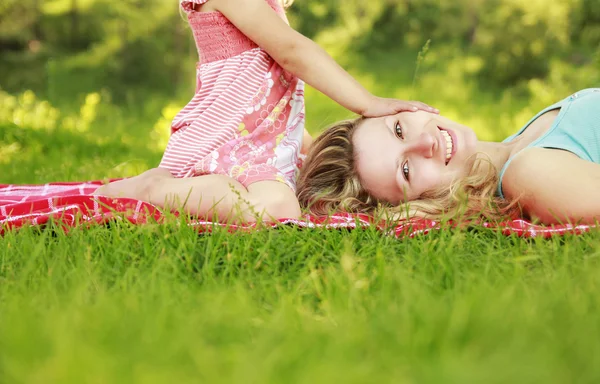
[(380, 106)]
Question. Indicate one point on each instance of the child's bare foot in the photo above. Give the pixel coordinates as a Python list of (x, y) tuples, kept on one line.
[(137, 187)]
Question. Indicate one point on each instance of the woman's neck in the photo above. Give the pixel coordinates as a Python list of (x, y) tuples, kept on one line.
[(497, 153)]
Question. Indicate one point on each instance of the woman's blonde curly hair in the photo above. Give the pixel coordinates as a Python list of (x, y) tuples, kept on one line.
[(329, 182)]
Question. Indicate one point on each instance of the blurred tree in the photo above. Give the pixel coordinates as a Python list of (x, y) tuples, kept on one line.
[(516, 39), (19, 22), (128, 44), (586, 24)]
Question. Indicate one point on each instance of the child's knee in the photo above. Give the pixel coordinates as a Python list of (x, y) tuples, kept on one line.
[(283, 207), (274, 200)]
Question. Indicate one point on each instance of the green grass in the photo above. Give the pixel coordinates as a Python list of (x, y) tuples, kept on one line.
[(159, 303), (162, 304)]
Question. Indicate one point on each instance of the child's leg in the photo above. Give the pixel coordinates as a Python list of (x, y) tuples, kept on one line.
[(208, 196), (134, 187)]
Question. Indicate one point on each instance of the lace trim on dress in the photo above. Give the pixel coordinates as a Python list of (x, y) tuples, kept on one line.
[(188, 5)]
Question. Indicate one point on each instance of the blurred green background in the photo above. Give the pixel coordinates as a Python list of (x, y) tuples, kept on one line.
[(87, 90), (101, 79)]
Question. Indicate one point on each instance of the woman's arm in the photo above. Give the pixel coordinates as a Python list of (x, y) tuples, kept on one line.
[(305, 59), (554, 186)]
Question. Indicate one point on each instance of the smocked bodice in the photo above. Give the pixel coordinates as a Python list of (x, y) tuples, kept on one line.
[(217, 38)]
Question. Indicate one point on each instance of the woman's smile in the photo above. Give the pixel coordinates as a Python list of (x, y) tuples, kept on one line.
[(450, 139)]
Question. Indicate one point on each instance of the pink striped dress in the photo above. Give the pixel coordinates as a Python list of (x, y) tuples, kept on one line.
[(246, 119)]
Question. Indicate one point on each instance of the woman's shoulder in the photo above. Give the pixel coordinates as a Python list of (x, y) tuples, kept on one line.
[(526, 168), (550, 180)]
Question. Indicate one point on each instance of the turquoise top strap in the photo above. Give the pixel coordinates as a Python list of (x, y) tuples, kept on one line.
[(576, 129)]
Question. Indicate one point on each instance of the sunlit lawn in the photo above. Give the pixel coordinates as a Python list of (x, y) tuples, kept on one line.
[(160, 303)]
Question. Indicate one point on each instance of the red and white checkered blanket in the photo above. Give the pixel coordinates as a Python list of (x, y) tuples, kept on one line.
[(71, 204)]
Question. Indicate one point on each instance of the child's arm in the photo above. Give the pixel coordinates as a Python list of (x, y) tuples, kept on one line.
[(305, 59)]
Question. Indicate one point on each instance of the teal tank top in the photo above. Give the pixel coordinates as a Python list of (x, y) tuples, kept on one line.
[(576, 128)]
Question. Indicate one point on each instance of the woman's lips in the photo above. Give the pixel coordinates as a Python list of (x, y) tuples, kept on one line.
[(452, 143)]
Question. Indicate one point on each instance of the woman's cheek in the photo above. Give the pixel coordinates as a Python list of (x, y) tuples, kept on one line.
[(432, 177)]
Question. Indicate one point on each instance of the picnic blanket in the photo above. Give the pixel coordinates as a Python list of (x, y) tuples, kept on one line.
[(72, 204)]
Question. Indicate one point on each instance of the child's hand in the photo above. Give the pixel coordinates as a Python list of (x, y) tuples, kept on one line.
[(380, 106)]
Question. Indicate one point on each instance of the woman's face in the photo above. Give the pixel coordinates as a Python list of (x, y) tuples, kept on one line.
[(399, 157)]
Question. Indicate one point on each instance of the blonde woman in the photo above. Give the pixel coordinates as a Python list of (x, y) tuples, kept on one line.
[(422, 164)]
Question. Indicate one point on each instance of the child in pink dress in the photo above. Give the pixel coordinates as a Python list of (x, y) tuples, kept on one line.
[(246, 119), (235, 148)]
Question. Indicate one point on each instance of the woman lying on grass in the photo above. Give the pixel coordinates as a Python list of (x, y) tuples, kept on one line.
[(234, 149), (422, 164)]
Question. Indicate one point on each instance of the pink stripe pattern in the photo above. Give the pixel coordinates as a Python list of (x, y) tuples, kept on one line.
[(246, 119)]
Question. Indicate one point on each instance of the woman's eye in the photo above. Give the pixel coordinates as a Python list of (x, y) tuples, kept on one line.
[(405, 171), (398, 129)]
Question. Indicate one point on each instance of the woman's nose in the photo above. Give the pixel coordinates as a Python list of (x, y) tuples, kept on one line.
[(424, 145)]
